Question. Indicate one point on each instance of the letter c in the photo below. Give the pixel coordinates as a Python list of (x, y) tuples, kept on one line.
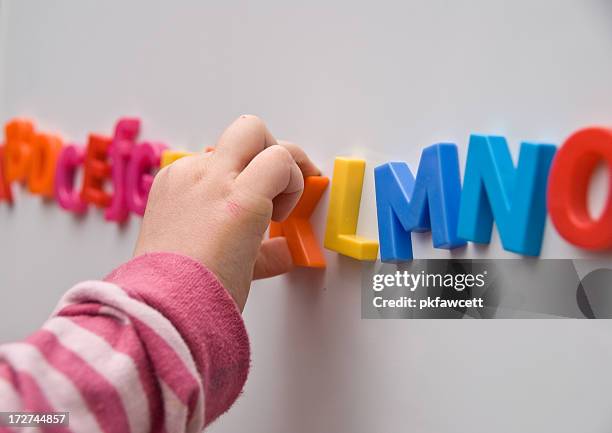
[(67, 197)]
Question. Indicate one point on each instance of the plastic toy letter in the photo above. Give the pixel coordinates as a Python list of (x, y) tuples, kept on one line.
[(568, 189), (120, 151), (70, 158), (5, 187), (145, 157), (515, 197), (431, 202), (169, 156), (303, 244), (97, 170), (18, 149), (45, 150), (343, 213)]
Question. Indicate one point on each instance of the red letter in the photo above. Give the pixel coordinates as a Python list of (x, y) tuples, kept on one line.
[(568, 189), (97, 170)]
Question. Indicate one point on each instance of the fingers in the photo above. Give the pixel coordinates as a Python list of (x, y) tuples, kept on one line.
[(241, 142), (273, 259), (247, 137), (264, 166), (307, 167), (273, 174)]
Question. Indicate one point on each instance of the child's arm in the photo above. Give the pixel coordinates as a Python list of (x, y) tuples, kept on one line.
[(160, 344)]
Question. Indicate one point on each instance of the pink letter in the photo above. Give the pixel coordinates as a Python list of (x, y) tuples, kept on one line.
[(145, 156), (70, 158), (120, 150)]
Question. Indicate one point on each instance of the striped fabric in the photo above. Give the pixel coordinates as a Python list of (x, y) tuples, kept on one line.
[(158, 347)]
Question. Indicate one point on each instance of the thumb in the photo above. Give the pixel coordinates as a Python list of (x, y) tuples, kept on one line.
[(274, 258)]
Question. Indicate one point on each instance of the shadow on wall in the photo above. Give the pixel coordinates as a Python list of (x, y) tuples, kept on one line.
[(317, 366)]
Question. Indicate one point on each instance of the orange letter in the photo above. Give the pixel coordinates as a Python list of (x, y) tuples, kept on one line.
[(45, 151), (18, 149), (301, 240), (5, 187)]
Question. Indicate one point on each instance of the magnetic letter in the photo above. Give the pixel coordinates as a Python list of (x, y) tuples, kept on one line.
[(5, 187), (97, 170), (45, 151), (302, 242), (431, 202), (568, 189), (120, 151), (394, 187), (18, 149), (169, 156), (515, 197), (343, 213), (145, 157), (68, 161)]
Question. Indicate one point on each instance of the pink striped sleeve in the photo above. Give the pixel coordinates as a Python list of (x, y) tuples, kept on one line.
[(159, 346)]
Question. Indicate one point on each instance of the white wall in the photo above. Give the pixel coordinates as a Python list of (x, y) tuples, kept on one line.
[(376, 80)]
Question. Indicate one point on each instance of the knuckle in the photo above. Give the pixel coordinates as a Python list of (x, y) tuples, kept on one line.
[(180, 172), (298, 154), (281, 154), (198, 166)]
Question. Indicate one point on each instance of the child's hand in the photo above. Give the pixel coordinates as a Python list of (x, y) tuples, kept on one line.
[(215, 207)]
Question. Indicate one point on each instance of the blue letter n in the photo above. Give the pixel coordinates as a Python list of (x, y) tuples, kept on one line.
[(515, 197), (431, 202)]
